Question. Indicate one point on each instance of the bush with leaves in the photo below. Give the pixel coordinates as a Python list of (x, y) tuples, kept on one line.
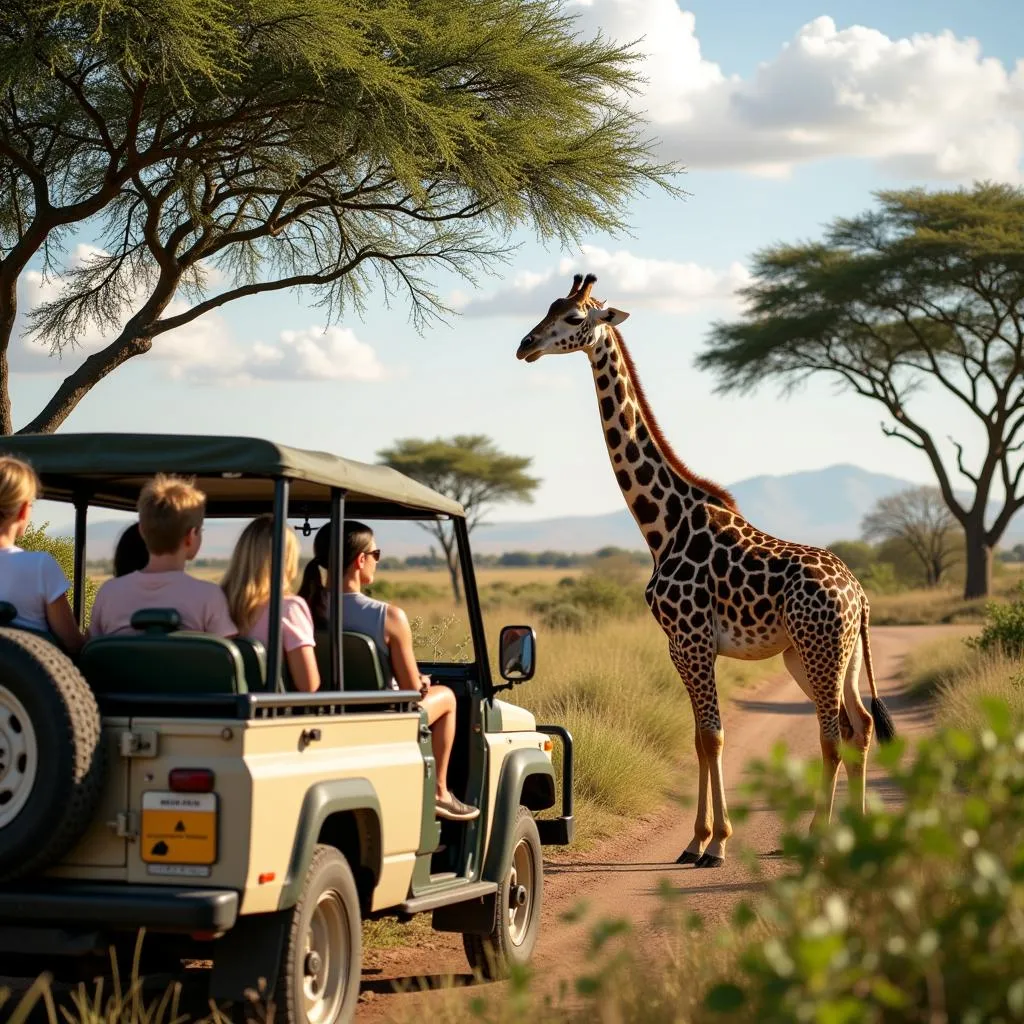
[(908, 913), (1003, 630), (63, 550)]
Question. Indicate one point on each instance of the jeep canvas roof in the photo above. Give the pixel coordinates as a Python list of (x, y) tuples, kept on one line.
[(236, 473)]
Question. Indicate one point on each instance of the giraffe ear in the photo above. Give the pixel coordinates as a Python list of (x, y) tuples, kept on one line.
[(611, 315)]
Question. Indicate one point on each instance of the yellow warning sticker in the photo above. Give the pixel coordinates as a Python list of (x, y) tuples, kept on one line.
[(179, 828)]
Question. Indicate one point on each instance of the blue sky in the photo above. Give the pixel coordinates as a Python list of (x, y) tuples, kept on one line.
[(829, 111)]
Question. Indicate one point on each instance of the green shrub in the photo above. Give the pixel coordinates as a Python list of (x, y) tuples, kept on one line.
[(564, 616), (1003, 629), (915, 913), (63, 550)]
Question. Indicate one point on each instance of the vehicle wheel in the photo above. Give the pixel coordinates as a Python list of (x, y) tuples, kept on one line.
[(519, 901), (318, 982), (51, 754)]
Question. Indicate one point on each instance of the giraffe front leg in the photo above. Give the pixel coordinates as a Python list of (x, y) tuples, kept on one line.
[(713, 740), (702, 824), (694, 658)]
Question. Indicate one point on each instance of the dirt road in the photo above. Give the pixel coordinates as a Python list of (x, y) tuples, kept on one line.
[(621, 878)]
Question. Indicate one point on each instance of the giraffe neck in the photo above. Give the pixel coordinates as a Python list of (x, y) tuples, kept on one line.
[(660, 491)]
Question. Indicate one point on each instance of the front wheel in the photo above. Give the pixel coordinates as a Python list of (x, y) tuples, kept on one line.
[(318, 982), (520, 892)]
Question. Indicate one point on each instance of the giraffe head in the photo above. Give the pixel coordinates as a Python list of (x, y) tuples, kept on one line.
[(574, 322)]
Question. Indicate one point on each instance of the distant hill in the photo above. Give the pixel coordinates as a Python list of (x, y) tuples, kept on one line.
[(817, 506)]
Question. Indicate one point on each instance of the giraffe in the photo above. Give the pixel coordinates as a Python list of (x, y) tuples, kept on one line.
[(721, 587)]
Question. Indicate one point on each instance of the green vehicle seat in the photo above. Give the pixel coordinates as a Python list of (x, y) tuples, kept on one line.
[(361, 663), (161, 658)]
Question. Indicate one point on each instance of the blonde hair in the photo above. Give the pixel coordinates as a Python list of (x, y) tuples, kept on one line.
[(18, 485), (246, 584), (169, 506)]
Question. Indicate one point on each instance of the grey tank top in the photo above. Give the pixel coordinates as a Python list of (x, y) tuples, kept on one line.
[(362, 614)]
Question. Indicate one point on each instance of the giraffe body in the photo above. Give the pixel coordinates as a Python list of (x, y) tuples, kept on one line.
[(720, 586)]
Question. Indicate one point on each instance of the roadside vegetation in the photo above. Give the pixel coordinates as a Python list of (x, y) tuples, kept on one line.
[(963, 673), (941, 940)]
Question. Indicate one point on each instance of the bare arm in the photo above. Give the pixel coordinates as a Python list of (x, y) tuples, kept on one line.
[(398, 634), (303, 668), (61, 621)]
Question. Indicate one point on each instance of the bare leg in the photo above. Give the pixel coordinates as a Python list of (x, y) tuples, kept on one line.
[(702, 823), (439, 703)]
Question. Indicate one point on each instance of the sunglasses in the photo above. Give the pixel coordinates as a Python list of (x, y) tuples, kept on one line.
[(375, 554)]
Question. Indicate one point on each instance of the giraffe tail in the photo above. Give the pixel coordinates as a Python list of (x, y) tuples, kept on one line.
[(885, 730)]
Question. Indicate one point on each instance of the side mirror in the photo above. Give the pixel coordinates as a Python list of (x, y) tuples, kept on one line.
[(517, 657)]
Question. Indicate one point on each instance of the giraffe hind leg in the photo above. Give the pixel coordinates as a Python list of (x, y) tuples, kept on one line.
[(824, 688), (858, 721)]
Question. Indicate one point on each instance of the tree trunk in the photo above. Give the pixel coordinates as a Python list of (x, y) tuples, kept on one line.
[(979, 561), (8, 314), (453, 571)]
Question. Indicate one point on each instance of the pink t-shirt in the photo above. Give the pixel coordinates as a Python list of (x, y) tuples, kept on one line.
[(296, 624), (201, 604)]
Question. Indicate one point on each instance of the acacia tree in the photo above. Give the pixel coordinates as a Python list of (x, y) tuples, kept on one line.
[(927, 290), (920, 519), (291, 143), (469, 469)]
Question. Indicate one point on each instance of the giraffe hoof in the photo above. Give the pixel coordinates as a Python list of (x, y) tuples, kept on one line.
[(709, 860), (687, 857)]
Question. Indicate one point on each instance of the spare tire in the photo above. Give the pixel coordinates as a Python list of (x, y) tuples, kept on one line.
[(51, 754)]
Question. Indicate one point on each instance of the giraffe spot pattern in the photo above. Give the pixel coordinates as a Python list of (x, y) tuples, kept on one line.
[(720, 585)]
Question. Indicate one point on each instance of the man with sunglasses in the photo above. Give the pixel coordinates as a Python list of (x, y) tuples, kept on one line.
[(389, 627)]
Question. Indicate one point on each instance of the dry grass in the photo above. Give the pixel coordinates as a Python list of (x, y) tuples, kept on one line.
[(960, 678), (938, 605)]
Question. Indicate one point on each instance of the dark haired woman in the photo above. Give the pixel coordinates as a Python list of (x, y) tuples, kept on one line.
[(388, 626)]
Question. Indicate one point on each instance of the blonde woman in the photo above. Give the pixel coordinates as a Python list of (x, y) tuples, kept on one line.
[(31, 580), (247, 588)]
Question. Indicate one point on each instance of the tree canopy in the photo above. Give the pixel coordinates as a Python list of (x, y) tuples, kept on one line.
[(925, 290), (468, 468), (219, 149), (919, 517)]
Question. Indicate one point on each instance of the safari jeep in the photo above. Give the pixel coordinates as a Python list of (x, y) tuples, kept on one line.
[(170, 781)]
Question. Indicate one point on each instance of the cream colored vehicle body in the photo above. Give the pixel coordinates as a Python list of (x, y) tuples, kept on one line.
[(174, 783), (263, 772)]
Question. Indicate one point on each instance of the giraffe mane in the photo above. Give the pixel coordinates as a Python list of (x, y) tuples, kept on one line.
[(701, 483)]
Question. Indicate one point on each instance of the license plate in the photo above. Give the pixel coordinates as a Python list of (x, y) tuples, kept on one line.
[(179, 828)]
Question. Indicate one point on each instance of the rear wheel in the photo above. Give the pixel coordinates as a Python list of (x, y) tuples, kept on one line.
[(520, 892), (318, 982)]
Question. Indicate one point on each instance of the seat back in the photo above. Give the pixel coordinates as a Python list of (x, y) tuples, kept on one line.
[(160, 658), (361, 663)]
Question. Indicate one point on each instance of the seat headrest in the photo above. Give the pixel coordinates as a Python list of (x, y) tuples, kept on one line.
[(8, 613), (156, 620)]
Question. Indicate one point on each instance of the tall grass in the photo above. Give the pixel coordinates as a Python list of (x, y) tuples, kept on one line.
[(960, 679)]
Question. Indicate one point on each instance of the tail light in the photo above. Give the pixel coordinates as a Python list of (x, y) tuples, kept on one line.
[(190, 780)]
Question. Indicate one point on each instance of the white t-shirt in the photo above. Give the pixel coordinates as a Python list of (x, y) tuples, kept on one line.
[(30, 580)]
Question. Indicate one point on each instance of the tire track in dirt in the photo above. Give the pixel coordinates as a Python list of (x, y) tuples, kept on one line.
[(623, 876)]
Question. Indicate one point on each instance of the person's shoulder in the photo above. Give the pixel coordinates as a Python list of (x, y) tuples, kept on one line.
[(394, 614), (294, 605), (205, 587)]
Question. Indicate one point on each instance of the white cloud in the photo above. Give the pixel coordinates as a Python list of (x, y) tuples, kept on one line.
[(930, 105), (628, 280), (204, 351)]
